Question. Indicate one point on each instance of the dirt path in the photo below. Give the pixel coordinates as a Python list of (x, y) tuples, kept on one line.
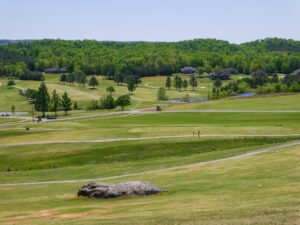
[(83, 117), (150, 86), (146, 138), (255, 152)]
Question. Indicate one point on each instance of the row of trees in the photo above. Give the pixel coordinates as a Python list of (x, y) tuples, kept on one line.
[(114, 59), (79, 78), (109, 102), (180, 83), (43, 102)]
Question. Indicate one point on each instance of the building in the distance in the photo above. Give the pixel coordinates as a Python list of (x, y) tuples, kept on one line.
[(55, 70), (188, 70)]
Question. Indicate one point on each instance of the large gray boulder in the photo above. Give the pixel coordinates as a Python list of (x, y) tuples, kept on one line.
[(132, 188)]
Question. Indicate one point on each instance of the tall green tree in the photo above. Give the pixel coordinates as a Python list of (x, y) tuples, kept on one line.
[(81, 78), (42, 99), (175, 82), (110, 89), (107, 103), (185, 84), (71, 78), (180, 83), (93, 82), (66, 103), (119, 78), (168, 82), (123, 101), (193, 82), (63, 78), (161, 94), (131, 84), (55, 102)]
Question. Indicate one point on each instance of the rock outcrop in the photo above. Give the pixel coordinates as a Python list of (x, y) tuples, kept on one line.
[(132, 188)]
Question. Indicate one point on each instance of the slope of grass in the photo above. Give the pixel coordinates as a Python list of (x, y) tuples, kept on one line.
[(261, 189), (68, 161)]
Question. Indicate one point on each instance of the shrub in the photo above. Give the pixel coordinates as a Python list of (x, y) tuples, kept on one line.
[(107, 102), (295, 87), (32, 76), (123, 101), (11, 83), (242, 87), (110, 89)]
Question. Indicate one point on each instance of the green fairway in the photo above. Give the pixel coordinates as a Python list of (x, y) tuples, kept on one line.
[(5, 120), (271, 102), (155, 125), (9, 97)]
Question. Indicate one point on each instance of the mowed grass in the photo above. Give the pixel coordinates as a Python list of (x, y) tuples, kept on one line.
[(5, 120), (88, 160), (267, 102), (9, 97), (154, 125), (261, 189)]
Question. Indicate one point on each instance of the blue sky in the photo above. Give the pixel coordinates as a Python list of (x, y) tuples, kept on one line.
[(150, 20)]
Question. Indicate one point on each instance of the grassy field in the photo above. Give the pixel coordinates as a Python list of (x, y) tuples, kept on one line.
[(9, 97), (81, 160), (153, 125), (144, 96), (261, 189), (268, 102)]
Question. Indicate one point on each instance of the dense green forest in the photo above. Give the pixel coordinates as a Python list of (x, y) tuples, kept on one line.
[(149, 58)]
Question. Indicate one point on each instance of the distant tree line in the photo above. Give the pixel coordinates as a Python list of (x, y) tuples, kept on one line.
[(118, 60)]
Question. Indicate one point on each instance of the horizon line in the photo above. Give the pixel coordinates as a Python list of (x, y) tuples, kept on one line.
[(139, 41)]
